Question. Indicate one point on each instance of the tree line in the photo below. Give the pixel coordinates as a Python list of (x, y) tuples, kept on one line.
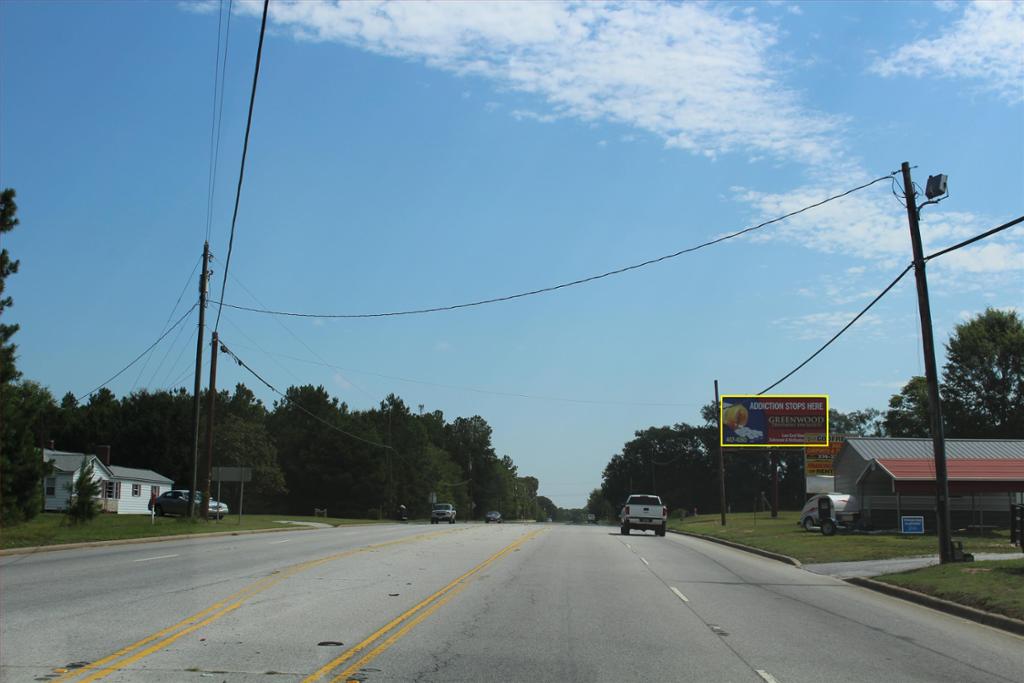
[(982, 395), (307, 451)]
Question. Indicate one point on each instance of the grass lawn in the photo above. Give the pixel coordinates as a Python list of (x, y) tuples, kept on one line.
[(782, 535), (994, 586), (50, 528)]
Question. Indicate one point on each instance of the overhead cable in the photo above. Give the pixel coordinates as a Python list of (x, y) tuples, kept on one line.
[(510, 394), (564, 285), (241, 169), (137, 358), (217, 112), (313, 415), (167, 322), (960, 245)]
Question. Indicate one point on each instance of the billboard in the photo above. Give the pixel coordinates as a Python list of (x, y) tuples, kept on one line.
[(794, 421)]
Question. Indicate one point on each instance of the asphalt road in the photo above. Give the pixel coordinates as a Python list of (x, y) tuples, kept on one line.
[(468, 602)]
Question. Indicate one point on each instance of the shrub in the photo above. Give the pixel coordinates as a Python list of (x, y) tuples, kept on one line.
[(82, 506)]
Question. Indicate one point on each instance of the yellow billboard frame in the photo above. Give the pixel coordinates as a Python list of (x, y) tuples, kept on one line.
[(721, 423)]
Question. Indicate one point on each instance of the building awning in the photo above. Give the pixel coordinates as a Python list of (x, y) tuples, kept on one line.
[(965, 476)]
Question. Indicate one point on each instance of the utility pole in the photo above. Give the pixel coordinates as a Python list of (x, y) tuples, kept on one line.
[(931, 373), (774, 456), (721, 456), (211, 402), (204, 279)]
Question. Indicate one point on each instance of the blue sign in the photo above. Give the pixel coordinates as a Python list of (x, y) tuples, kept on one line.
[(911, 525)]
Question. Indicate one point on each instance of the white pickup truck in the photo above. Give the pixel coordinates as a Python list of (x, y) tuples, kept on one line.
[(643, 511)]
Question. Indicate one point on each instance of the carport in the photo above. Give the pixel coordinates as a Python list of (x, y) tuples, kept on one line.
[(970, 482)]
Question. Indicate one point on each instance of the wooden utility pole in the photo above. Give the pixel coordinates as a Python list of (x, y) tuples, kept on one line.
[(721, 456), (211, 402), (931, 373), (774, 457), (204, 279)]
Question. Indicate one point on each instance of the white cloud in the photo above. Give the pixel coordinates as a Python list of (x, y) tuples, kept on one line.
[(987, 258), (696, 75), (200, 6), (821, 326), (985, 45)]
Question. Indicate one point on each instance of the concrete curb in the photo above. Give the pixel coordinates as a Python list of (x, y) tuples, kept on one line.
[(746, 548), (30, 550), (988, 618)]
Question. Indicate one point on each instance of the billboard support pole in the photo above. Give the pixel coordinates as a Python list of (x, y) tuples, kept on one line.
[(721, 456), (774, 455)]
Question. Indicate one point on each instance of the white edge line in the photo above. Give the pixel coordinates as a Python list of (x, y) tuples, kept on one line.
[(158, 557), (645, 562), (679, 594), (766, 676), (283, 541), (629, 546)]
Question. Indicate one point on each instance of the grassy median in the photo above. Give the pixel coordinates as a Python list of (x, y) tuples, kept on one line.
[(994, 586), (51, 528), (783, 535)]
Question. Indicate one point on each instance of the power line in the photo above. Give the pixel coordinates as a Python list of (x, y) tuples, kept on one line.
[(840, 332), (313, 415), (217, 111), (475, 390), (297, 338), (167, 353), (959, 245), (180, 320), (564, 285), (181, 295), (241, 169)]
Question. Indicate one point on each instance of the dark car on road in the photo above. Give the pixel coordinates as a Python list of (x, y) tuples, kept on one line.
[(175, 502), (493, 516)]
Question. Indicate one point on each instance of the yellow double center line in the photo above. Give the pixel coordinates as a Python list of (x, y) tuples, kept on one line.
[(405, 622), (130, 654)]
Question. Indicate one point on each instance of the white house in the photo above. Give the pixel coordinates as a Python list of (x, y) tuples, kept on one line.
[(123, 490)]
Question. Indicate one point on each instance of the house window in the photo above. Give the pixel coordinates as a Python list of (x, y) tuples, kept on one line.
[(136, 490), (154, 490), (51, 486), (112, 489)]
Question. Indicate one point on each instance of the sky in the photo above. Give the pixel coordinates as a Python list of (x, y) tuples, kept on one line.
[(415, 155)]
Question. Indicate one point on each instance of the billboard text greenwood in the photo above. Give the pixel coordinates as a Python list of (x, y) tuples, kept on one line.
[(793, 420)]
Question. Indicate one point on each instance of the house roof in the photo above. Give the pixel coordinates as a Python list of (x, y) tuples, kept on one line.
[(139, 475), (887, 448), (956, 469), (63, 461)]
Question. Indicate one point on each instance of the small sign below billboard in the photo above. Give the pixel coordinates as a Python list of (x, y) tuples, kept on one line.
[(792, 421), (818, 459), (911, 524), (230, 474)]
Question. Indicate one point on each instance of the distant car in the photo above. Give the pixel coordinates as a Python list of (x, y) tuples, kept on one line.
[(493, 516), (591, 518), (442, 512), (175, 502)]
